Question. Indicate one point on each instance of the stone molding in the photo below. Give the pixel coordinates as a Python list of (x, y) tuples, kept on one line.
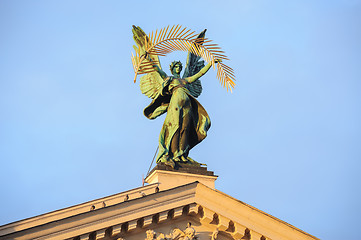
[(245, 216), (76, 209), (195, 200), (169, 179)]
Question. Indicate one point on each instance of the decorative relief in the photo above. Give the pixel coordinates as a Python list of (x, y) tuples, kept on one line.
[(175, 234), (151, 234), (214, 234)]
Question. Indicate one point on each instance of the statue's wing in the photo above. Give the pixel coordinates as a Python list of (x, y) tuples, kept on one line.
[(150, 83), (193, 66)]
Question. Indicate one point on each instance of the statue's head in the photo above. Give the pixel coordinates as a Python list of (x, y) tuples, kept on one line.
[(175, 67)]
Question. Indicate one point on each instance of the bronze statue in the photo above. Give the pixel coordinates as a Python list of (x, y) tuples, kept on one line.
[(187, 122)]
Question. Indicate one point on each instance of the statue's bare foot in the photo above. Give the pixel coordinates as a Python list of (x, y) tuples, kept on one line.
[(170, 163), (182, 159), (193, 162)]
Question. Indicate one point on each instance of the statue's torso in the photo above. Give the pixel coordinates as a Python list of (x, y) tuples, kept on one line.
[(176, 84)]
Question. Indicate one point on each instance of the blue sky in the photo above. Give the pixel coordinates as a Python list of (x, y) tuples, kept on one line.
[(287, 140)]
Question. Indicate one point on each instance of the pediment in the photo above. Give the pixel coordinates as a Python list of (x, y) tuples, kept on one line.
[(131, 214)]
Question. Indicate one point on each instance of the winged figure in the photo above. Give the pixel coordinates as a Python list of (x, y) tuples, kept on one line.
[(187, 122)]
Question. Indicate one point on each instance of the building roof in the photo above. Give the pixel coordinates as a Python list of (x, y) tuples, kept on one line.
[(137, 209)]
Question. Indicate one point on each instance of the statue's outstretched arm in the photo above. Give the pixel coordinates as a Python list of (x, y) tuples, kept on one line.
[(203, 71)]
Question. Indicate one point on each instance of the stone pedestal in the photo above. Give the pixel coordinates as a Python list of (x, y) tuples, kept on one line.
[(168, 177)]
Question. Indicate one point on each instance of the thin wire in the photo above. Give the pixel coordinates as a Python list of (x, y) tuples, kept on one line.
[(152, 161)]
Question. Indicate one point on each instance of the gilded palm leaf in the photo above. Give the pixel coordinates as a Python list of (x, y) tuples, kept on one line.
[(181, 39)]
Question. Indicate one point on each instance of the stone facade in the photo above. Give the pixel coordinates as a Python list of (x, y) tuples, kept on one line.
[(175, 205)]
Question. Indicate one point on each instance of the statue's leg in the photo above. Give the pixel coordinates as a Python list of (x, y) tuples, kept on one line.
[(184, 136), (179, 144), (172, 125), (174, 146), (164, 154)]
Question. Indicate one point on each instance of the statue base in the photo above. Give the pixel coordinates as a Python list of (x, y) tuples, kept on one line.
[(168, 177)]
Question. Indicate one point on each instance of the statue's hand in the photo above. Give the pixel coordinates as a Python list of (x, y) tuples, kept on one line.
[(217, 61), (146, 55)]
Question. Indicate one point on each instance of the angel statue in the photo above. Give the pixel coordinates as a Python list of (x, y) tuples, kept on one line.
[(187, 122)]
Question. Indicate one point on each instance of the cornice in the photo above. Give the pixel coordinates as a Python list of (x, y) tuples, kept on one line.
[(245, 216), (74, 210), (210, 207), (102, 218)]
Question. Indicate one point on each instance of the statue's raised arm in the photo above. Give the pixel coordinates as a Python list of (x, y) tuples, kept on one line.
[(199, 74)]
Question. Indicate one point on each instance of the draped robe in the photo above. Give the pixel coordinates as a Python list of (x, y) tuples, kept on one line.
[(185, 125)]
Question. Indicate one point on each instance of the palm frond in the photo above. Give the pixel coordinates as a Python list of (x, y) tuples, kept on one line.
[(179, 38)]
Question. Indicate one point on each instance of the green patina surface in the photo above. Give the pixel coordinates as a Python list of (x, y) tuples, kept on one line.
[(187, 122)]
